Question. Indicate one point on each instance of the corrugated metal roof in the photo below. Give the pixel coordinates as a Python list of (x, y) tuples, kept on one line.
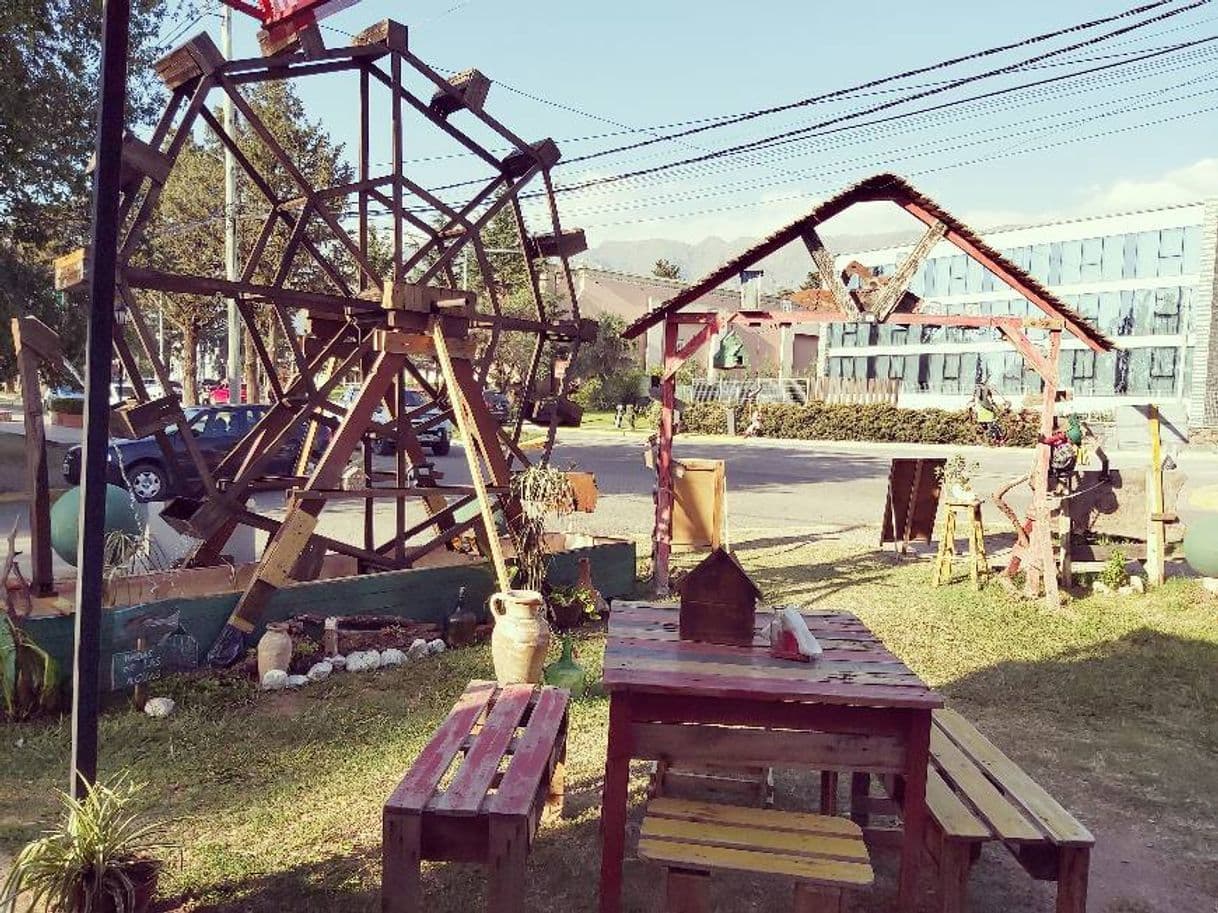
[(881, 188)]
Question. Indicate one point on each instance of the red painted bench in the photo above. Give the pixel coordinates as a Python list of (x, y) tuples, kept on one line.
[(506, 747)]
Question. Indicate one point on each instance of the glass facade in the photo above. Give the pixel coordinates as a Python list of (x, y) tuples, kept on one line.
[(948, 360)]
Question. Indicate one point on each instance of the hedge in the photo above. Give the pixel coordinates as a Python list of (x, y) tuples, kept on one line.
[(877, 422), (66, 405)]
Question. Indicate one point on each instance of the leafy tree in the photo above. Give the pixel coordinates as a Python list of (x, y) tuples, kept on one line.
[(666, 269), (812, 281), (49, 56)]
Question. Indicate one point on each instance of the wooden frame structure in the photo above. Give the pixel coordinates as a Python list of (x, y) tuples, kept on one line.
[(879, 300), (390, 329)]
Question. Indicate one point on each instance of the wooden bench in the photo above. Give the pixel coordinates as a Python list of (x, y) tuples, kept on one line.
[(507, 748), (826, 856), (977, 795)]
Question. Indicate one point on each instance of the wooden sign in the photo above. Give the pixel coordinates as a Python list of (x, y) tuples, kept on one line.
[(699, 504), (913, 501)]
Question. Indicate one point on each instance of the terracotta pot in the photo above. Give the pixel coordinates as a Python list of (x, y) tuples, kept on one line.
[(274, 649), (67, 419), (521, 636)]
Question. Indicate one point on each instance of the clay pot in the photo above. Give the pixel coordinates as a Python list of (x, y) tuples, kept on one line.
[(274, 649), (521, 636)]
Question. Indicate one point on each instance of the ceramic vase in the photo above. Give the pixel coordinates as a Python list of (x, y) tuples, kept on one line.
[(521, 636)]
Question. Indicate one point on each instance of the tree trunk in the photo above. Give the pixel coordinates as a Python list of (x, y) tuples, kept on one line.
[(251, 365), (190, 363)]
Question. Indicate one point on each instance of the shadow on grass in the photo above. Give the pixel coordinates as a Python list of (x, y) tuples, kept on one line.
[(810, 583)]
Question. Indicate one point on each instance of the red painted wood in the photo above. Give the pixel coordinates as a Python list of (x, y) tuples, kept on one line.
[(533, 750), (468, 788), (420, 782), (762, 662), (664, 708), (614, 796), (839, 650), (914, 813)]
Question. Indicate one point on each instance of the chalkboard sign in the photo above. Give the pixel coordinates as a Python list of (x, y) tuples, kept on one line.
[(178, 652)]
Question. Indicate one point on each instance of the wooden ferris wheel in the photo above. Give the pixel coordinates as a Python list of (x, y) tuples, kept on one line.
[(412, 326)]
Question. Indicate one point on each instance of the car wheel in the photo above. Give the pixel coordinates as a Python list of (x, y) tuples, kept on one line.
[(442, 445), (147, 482)]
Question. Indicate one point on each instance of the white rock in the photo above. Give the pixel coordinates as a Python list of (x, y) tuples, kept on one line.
[(1211, 584), (392, 657), (338, 662), (295, 681), (1138, 584), (418, 649), (275, 680), (436, 646), (356, 661), (159, 707), (1101, 587), (320, 671)]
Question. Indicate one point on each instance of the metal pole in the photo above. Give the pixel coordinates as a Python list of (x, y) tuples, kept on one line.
[(90, 543), (230, 219)]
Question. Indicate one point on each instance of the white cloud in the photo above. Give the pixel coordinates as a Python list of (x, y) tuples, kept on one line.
[(1180, 185)]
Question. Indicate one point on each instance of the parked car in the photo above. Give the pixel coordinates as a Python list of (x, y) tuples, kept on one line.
[(140, 465), (220, 395), (499, 405), (436, 437)]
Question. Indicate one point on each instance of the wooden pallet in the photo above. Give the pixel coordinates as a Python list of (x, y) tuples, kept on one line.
[(477, 792), (825, 856)]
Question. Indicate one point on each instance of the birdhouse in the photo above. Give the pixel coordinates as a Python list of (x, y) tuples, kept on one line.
[(718, 602)]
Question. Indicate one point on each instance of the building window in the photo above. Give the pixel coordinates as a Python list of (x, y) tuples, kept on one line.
[(1113, 267), (1192, 250), (1171, 252), (1082, 373), (1166, 318), (1091, 267), (1072, 262), (1148, 255), (951, 367), (958, 275), (1040, 262)]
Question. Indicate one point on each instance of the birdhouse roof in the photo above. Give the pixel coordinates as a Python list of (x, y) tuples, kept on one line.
[(721, 555)]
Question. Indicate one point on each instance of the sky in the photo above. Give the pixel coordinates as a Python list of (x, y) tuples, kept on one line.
[(594, 75)]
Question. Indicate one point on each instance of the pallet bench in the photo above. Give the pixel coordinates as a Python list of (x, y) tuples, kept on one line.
[(977, 795), (506, 747), (825, 856)]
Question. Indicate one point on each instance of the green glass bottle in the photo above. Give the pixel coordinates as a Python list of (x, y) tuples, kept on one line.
[(565, 672)]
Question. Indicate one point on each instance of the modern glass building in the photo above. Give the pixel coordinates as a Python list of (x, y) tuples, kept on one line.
[(1146, 279)]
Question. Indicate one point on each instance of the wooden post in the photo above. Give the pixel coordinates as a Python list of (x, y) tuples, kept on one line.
[(42, 581), (1156, 530), (664, 492)]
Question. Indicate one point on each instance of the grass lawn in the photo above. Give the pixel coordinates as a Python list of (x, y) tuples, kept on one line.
[(1112, 703)]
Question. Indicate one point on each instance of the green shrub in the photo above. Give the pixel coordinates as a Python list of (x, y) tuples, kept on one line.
[(877, 422), (66, 405)]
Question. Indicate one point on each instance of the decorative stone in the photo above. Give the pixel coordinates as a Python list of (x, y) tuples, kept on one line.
[(338, 662), (392, 657), (320, 671), (159, 707), (275, 680), (296, 681), (1211, 584), (1126, 590), (1101, 587), (436, 646), (1138, 585), (417, 650)]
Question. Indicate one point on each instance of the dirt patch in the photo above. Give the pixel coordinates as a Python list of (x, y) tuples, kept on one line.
[(12, 463)]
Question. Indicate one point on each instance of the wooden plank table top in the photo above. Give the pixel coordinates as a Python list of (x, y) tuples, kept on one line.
[(645, 653)]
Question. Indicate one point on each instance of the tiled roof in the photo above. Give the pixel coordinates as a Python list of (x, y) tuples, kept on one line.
[(882, 188)]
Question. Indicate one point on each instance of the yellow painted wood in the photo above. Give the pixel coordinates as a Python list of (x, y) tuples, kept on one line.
[(1058, 823), (286, 547), (819, 871), (1007, 820), (713, 813), (762, 839), (952, 815)]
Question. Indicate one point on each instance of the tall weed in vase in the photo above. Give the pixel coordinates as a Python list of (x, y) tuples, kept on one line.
[(540, 491)]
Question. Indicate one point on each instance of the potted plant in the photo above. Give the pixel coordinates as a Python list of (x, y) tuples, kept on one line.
[(100, 858), (67, 411), (956, 475)]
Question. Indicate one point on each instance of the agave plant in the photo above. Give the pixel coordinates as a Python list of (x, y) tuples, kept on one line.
[(98, 859)]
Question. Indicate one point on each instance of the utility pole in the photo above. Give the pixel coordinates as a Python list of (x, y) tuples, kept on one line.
[(230, 218)]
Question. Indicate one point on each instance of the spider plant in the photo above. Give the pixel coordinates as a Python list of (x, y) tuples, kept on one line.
[(97, 859), (29, 677)]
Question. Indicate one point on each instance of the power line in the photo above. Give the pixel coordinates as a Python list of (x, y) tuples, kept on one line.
[(744, 147), (944, 64)]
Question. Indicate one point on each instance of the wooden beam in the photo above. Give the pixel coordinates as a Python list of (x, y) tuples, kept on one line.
[(829, 273), (894, 290), (714, 324), (1030, 353)]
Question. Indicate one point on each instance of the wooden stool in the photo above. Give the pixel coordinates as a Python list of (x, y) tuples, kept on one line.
[(826, 856), (979, 567)]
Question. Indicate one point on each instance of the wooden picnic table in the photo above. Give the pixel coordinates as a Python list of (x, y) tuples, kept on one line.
[(856, 708)]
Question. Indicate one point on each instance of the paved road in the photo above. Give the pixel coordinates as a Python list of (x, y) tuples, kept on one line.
[(776, 488)]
